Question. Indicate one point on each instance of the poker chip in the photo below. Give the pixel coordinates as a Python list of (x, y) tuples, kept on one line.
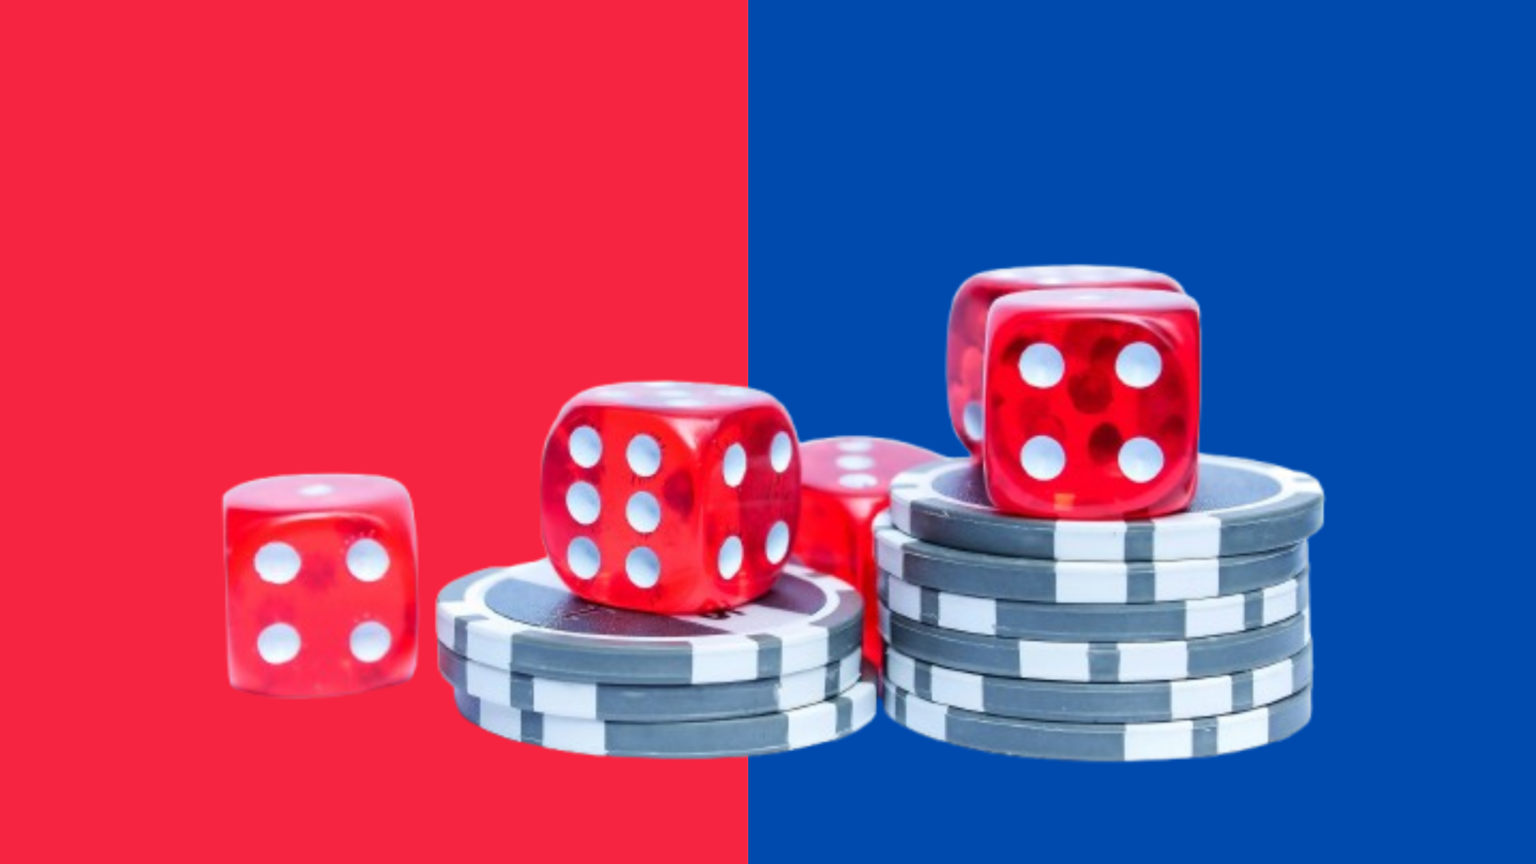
[(1100, 742), (1095, 622), (1241, 507), (702, 739), (1096, 661), (1036, 580), (523, 619), (647, 704), (1141, 702)]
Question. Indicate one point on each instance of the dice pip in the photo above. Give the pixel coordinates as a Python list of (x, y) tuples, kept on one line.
[(321, 584), (845, 484), (1092, 403), (968, 326), (670, 498)]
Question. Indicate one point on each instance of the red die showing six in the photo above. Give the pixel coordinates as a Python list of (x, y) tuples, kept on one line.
[(968, 326), (845, 484), (321, 584), (1093, 403), (670, 498)]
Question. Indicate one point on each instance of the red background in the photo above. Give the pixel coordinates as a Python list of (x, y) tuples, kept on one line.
[(239, 243)]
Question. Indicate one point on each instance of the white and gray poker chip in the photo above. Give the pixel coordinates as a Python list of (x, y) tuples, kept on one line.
[(1095, 622), (523, 619), (1067, 702), (1096, 661), (702, 739), (639, 703), (1240, 507), (1039, 580), (1100, 742)]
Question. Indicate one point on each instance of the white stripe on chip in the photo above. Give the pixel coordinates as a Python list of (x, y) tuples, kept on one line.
[(926, 718), (1214, 617), (717, 659), (1187, 535), (960, 689), (1242, 731), (1184, 580), (1090, 541), (904, 599), (1092, 583), (1280, 602), (812, 724), (1153, 661), (802, 688), (1174, 740), (1053, 661), (575, 736), (1200, 697), (565, 698), (959, 612), (1273, 683)]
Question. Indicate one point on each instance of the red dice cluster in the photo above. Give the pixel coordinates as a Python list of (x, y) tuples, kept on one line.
[(670, 498), (1079, 389)]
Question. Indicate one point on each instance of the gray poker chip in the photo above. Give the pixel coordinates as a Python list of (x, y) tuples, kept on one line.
[(639, 703), (523, 619), (701, 739), (1240, 507), (1095, 622), (1037, 580), (1101, 742), (1140, 702), (1096, 661)]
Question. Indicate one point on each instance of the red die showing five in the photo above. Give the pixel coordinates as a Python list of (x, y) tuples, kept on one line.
[(321, 584), (968, 325), (845, 484), (1093, 403), (670, 498)]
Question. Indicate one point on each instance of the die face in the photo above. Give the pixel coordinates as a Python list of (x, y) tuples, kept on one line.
[(968, 326), (670, 498), (1093, 403), (845, 484), (321, 585)]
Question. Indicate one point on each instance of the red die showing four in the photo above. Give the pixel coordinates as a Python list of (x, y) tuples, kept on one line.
[(845, 484), (321, 584), (968, 326), (670, 498), (1093, 403)]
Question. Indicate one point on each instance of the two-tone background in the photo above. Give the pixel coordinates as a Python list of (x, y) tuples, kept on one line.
[(245, 240)]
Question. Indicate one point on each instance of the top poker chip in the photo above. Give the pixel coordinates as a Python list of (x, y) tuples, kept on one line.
[(1240, 507), (524, 619)]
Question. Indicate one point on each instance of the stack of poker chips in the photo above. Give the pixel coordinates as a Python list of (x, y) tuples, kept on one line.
[(530, 661), (1164, 638)]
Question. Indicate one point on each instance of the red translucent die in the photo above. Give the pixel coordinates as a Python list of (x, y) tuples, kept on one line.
[(671, 498), (321, 584), (1093, 403), (844, 484), (968, 325)]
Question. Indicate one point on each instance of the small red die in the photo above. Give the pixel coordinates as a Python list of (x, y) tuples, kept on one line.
[(845, 484), (670, 498), (321, 584), (968, 325), (1093, 403)]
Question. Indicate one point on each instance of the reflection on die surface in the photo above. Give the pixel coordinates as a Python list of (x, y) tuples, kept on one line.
[(1092, 403), (670, 497), (321, 584), (845, 484), (968, 325)]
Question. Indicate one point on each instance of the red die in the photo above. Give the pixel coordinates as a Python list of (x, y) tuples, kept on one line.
[(321, 584), (845, 484), (968, 325), (670, 498), (1093, 403)]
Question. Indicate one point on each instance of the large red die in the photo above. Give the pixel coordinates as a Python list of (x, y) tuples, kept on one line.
[(1093, 403), (321, 584), (845, 484), (968, 325), (671, 498)]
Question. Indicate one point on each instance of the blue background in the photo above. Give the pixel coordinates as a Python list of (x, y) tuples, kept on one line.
[(1348, 193)]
